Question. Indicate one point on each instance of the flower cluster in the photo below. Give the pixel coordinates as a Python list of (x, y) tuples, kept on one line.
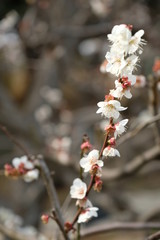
[(78, 191), (120, 61), (90, 164), (22, 167)]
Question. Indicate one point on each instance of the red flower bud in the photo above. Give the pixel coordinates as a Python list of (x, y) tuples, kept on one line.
[(112, 141), (68, 226), (45, 218), (156, 66), (98, 184), (86, 145)]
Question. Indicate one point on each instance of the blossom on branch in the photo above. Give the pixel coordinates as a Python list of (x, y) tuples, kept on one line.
[(110, 152), (123, 87), (18, 162), (31, 175), (120, 127), (78, 189), (90, 160), (110, 109), (87, 214), (22, 167)]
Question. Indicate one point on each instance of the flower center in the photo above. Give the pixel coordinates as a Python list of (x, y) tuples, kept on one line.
[(81, 191)]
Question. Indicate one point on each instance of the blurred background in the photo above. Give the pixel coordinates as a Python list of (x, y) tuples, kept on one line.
[(50, 83)]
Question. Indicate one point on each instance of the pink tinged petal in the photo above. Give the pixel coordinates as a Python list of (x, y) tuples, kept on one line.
[(87, 214), (78, 189)]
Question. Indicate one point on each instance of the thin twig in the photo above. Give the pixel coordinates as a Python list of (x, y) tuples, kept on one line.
[(14, 140), (119, 226), (153, 103), (52, 194), (133, 166)]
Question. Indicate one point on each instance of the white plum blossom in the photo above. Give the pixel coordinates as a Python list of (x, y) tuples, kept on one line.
[(116, 63), (22, 160), (110, 152), (120, 127), (31, 175), (120, 34), (136, 42), (123, 87), (85, 203), (110, 109), (78, 189), (87, 214), (122, 58), (129, 65), (123, 41), (91, 159)]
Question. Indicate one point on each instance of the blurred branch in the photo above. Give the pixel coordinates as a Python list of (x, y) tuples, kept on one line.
[(132, 167), (119, 226), (135, 131), (153, 104), (52, 193), (13, 139), (14, 234), (155, 236)]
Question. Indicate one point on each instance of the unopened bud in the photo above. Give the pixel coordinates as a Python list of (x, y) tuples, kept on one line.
[(68, 226), (112, 141), (86, 145), (98, 184), (94, 169), (108, 98), (45, 218)]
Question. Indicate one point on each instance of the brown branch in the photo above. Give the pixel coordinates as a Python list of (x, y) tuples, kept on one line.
[(119, 226), (103, 147), (52, 194), (132, 167), (155, 236), (135, 131), (153, 103)]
